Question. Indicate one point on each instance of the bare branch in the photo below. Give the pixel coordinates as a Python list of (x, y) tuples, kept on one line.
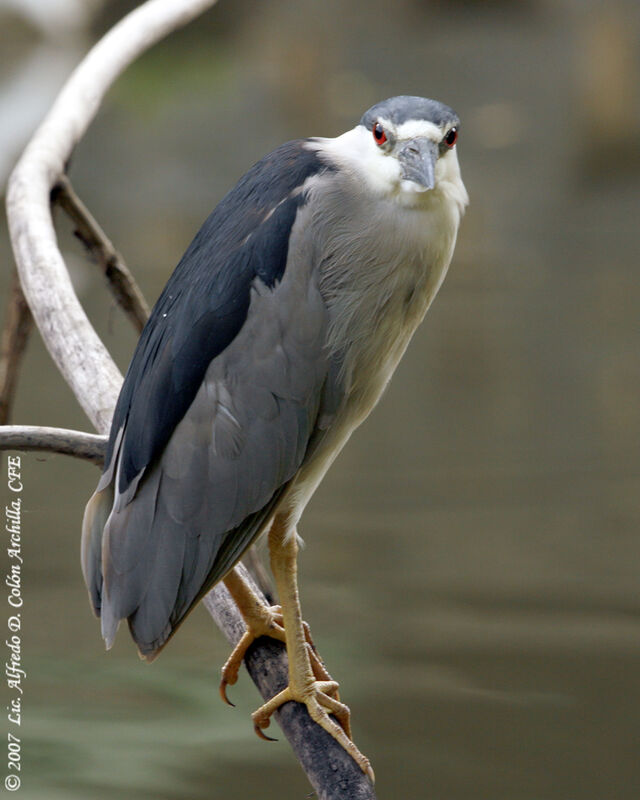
[(18, 323), (90, 446), (74, 346), (121, 281), (77, 350)]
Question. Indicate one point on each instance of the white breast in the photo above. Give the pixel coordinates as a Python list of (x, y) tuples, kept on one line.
[(386, 265), (381, 265)]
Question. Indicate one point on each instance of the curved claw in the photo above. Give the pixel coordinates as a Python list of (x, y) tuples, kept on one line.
[(223, 693), (261, 734), (229, 674)]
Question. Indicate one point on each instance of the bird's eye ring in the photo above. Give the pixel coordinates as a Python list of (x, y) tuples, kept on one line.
[(378, 133), (451, 137)]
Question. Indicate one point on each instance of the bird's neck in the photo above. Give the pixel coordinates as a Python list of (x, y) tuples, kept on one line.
[(381, 266)]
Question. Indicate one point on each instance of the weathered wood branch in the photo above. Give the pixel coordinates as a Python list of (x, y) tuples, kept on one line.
[(120, 280), (15, 335), (86, 364), (75, 347), (89, 446)]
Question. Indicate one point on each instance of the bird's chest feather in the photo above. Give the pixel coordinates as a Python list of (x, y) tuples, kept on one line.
[(378, 275), (378, 284)]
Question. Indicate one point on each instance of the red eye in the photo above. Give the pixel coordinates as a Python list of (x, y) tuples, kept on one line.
[(451, 138), (378, 133)]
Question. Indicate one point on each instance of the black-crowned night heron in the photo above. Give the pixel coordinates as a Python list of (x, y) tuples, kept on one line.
[(272, 341)]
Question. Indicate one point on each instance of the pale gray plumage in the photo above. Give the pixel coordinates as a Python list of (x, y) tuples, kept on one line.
[(313, 272)]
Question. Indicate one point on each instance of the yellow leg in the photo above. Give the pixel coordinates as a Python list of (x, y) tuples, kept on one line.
[(304, 686), (261, 620)]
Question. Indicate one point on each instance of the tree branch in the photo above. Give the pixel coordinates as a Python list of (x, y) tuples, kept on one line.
[(121, 281), (75, 347), (90, 446), (15, 335), (86, 364)]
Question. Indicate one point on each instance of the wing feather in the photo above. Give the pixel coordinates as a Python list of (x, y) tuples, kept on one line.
[(215, 415)]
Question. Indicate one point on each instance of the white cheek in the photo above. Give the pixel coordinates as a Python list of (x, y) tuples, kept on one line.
[(357, 152), (449, 180), (382, 172), (447, 167), (444, 165), (379, 171)]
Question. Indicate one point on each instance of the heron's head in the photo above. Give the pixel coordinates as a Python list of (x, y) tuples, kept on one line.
[(405, 148)]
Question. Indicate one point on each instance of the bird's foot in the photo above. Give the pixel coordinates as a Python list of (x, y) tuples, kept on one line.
[(267, 621), (264, 621), (320, 698), (309, 681)]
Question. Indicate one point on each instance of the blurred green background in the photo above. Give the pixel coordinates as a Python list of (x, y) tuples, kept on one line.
[(472, 569)]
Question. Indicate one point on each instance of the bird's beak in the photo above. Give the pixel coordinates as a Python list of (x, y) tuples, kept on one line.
[(418, 161)]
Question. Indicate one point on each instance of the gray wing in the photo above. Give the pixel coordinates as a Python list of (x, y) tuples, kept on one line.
[(217, 408), (219, 478)]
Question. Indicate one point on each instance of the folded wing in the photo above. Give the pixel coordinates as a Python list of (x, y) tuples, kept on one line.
[(216, 410)]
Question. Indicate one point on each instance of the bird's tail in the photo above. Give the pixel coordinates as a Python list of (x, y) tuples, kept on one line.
[(95, 518)]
